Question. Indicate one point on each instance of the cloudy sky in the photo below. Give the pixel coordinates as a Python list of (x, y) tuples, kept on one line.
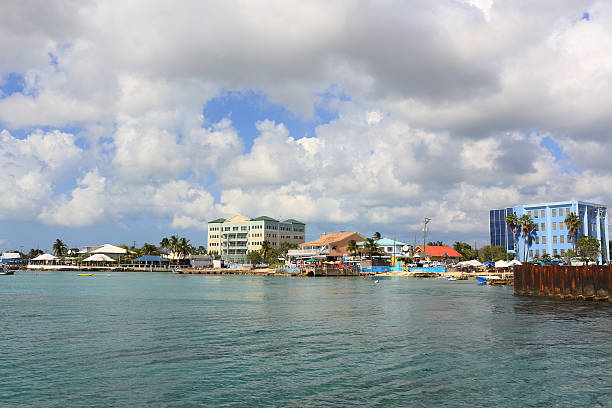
[(133, 120)]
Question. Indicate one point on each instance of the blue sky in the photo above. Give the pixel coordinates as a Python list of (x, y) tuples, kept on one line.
[(360, 116)]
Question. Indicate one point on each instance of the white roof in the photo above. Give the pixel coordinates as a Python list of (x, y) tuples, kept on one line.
[(109, 249), (514, 262), (501, 264), (99, 258), (45, 257), (474, 262), (11, 255)]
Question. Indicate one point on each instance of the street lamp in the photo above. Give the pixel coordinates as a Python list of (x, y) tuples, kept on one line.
[(425, 222)]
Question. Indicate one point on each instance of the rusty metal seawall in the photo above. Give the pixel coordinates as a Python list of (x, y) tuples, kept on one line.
[(568, 282)]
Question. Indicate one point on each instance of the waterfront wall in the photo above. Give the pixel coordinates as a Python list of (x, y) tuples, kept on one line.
[(571, 282)]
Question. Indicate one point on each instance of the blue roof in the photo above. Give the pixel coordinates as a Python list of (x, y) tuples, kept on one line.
[(151, 258)]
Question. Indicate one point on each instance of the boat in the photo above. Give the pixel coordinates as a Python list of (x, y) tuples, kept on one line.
[(484, 279), (5, 270), (85, 274)]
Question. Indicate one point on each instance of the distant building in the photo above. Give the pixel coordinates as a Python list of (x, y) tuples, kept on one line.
[(438, 253), (233, 238), (109, 250), (551, 235), (500, 232), (331, 245), (11, 258), (390, 247)]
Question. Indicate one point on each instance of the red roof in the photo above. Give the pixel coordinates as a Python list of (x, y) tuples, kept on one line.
[(440, 251)]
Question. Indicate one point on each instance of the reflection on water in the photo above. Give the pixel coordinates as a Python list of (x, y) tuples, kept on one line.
[(167, 340)]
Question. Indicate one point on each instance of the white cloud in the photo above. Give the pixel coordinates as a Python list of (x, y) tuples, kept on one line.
[(439, 109)]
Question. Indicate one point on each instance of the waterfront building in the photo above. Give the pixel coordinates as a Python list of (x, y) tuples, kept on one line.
[(327, 246), (109, 250), (390, 247), (438, 253), (501, 234), (550, 235), (13, 258), (233, 238)]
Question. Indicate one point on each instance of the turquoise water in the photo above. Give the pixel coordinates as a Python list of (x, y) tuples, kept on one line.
[(154, 339)]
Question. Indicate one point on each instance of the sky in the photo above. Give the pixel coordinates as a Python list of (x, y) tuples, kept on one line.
[(126, 122)]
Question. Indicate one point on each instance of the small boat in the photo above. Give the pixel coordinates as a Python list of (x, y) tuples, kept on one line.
[(85, 274), (5, 271), (484, 279)]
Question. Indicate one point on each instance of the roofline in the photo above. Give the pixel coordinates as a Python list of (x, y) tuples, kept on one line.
[(560, 203)]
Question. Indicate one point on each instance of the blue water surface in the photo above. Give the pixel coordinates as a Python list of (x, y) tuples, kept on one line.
[(164, 340)]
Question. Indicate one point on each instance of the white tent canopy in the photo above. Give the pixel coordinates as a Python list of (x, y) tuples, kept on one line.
[(514, 262), (45, 257), (99, 258), (501, 264), (474, 262), (109, 249)]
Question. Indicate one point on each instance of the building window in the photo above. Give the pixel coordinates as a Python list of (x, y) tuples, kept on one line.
[(562, 239), (562, 251), (535, 214), (542, 227), (542, 214), (554, 212), (554, 252), (561, 225), (531, 253), (554, 226), (537, 252), (529, 213), (537, 240), (543, 239), (554, 239)]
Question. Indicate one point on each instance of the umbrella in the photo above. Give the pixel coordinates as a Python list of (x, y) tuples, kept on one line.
[(501, 264), (489, 263), (474, 262), (514, 262)]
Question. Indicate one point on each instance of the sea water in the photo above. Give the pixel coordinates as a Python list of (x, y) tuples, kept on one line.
[(158, 339)]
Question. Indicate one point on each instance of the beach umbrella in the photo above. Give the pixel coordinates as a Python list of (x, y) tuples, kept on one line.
[(501, 264), (474, 262), (489, 263), (514, 262)]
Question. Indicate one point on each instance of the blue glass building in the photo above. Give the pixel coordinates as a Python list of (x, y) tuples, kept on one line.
[(551, 235), (501, 235)]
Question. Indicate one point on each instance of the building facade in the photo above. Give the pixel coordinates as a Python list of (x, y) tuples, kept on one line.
[(233, 238), (550, 235), (501, 234)]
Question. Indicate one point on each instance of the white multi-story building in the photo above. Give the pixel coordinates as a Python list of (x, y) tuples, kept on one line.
[(233, 238)]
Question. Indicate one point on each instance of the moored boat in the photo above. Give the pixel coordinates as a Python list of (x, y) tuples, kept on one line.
[(5, 270), (485, 279)]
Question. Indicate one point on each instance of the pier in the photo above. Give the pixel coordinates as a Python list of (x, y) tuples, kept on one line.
[(566, 282)]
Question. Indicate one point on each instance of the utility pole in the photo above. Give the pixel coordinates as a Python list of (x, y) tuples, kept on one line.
[(425, 222)]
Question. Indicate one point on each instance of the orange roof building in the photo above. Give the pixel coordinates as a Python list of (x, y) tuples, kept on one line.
[(438, 253), (335, 243)]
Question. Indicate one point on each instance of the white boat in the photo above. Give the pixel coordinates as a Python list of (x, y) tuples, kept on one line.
[(5, 270)]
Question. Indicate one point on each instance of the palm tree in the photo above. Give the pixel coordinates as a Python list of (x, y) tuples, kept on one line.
[(148, 249), (376, 236), (370, 246), (512, 221), (183, 247), (573, 223), (527, 226), (163, 244), (265, 248), (59, 248), (351, 247)]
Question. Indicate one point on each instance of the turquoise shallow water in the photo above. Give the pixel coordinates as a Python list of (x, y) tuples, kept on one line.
[(168, 340)]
